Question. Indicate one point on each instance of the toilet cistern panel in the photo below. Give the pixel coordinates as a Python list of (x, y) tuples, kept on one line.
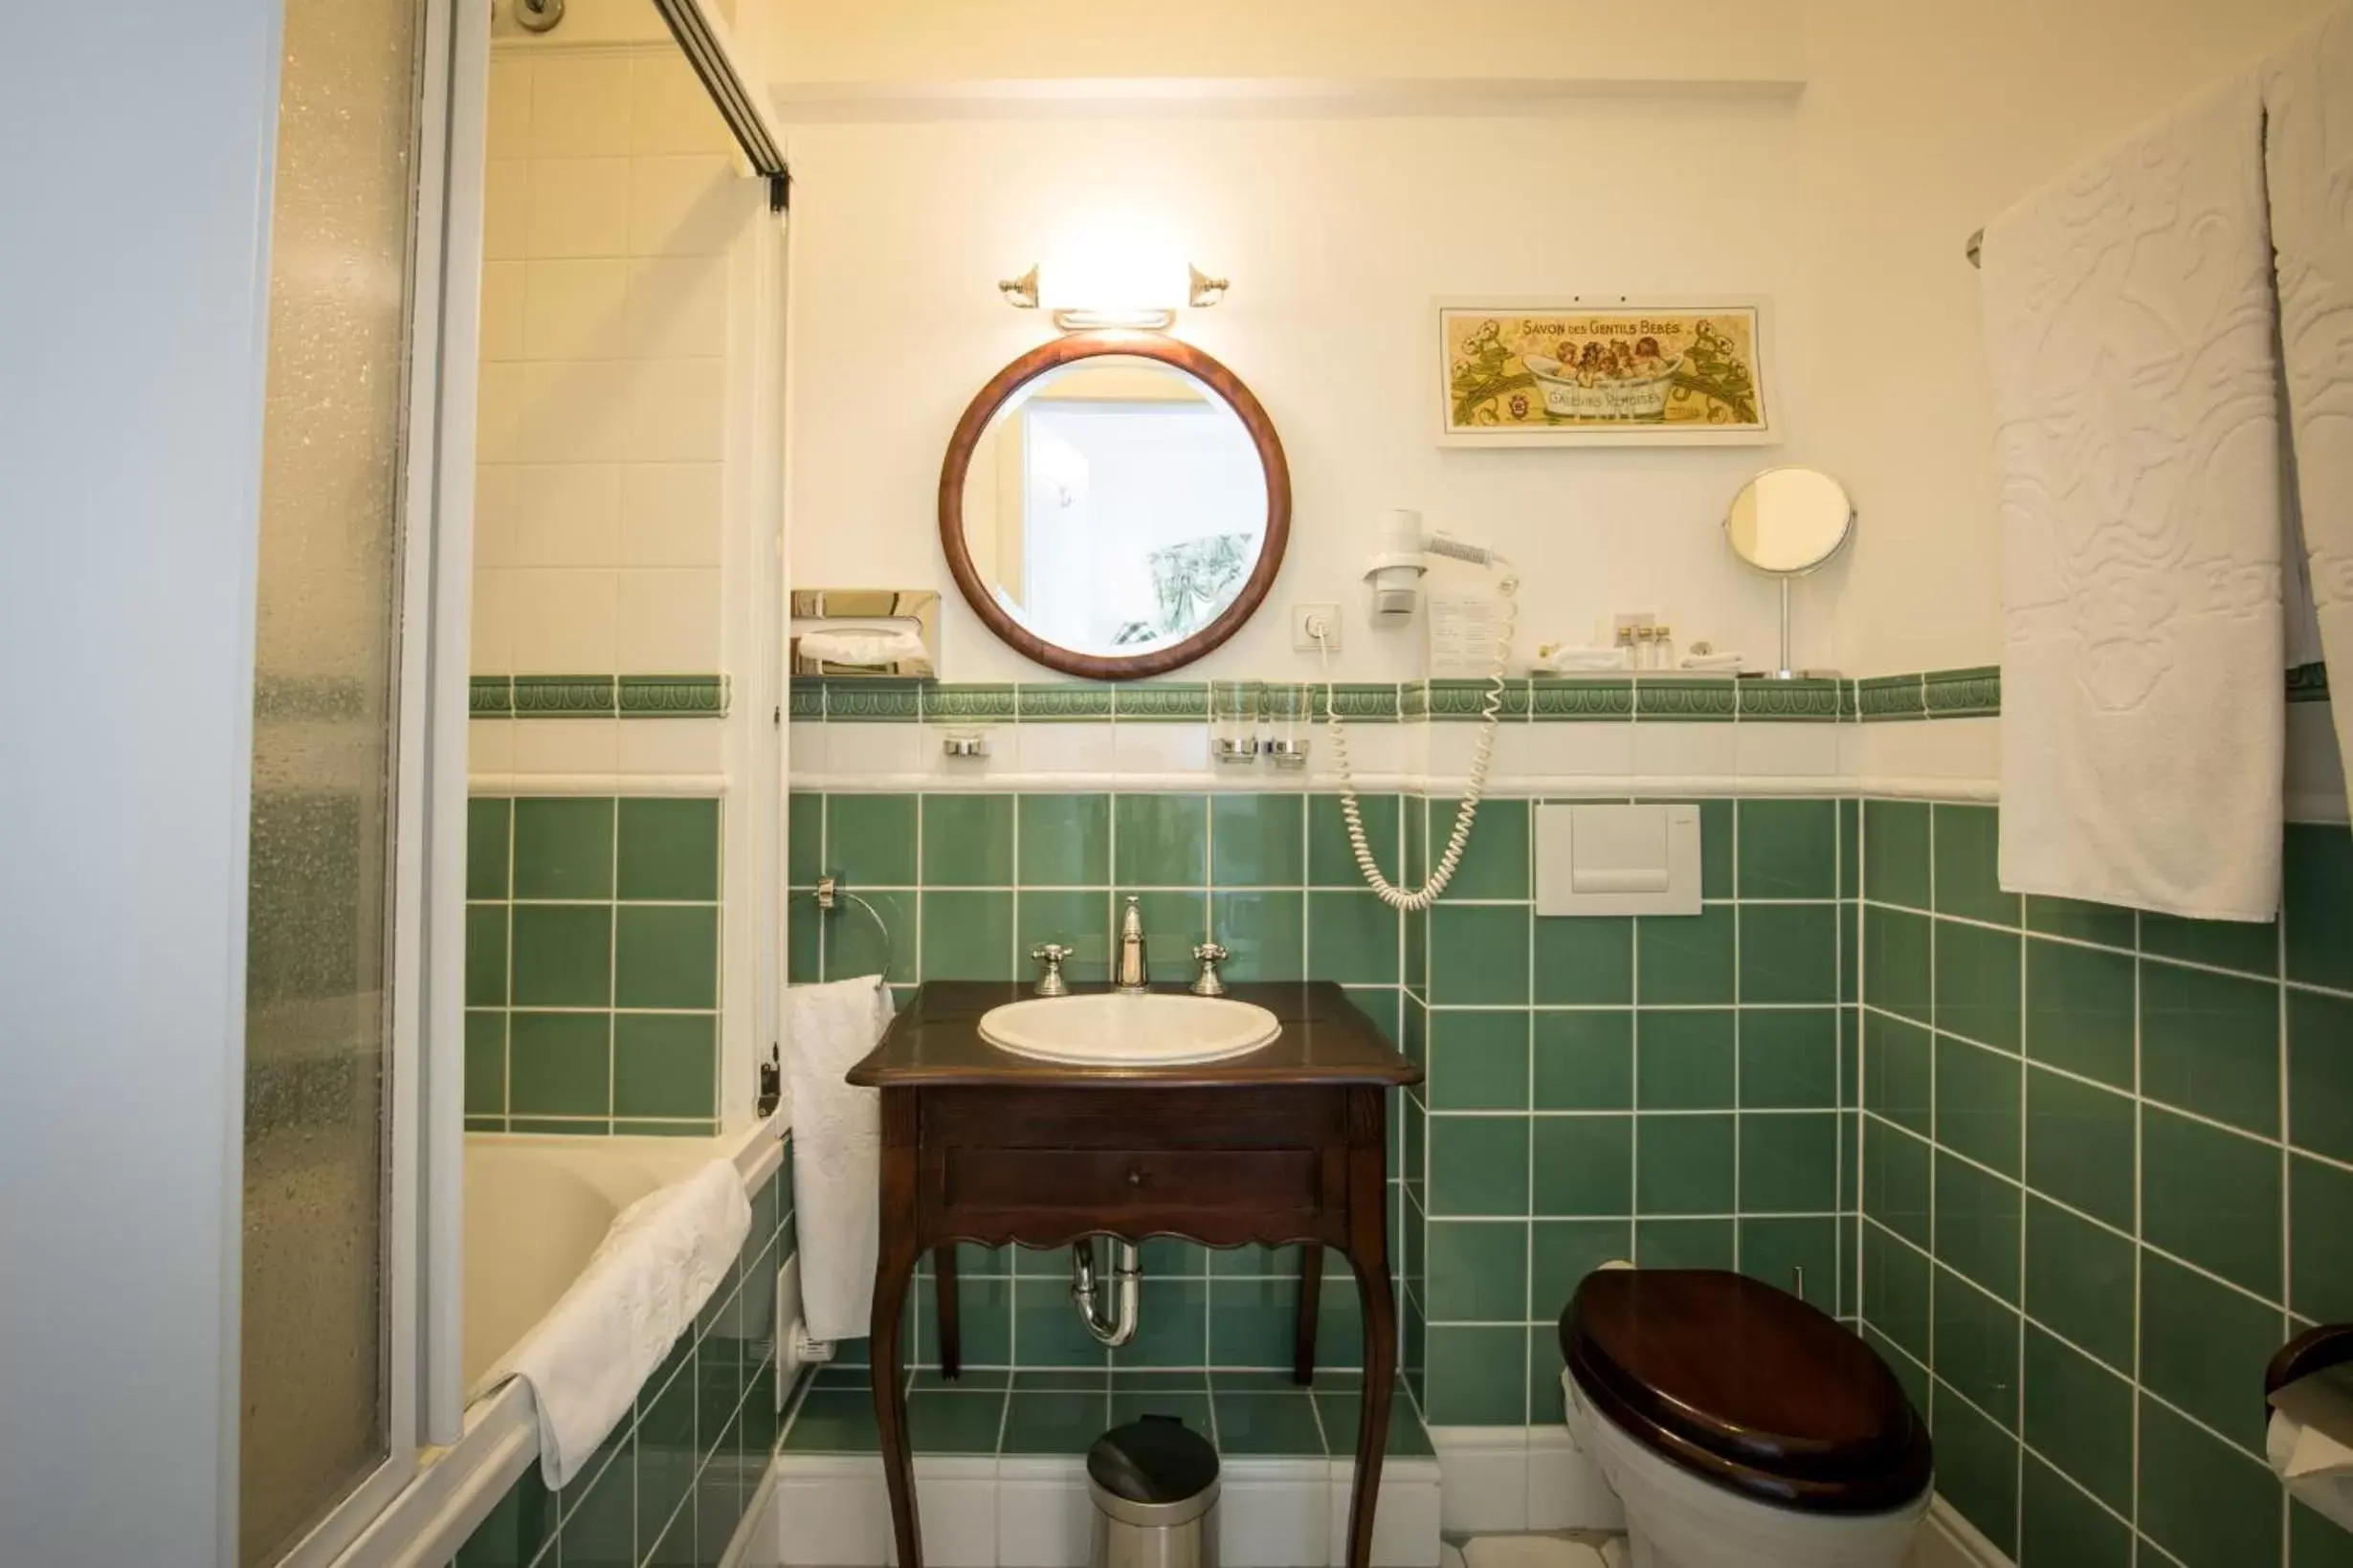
[(1617, 859)]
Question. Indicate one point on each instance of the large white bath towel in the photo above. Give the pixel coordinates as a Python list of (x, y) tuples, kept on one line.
[(2308, 170), (2129, 326), (664, 1256), (836, 1150)]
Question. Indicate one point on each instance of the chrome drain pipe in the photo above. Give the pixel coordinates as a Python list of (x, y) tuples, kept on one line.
[(1119, 1327)]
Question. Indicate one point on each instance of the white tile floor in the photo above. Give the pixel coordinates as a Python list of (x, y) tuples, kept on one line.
[(1575, 1549)]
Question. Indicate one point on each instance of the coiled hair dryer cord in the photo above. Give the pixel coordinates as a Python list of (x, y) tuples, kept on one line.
[(1482, 758)]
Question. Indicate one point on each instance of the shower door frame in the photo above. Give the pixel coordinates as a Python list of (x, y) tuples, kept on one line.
[(423, 1240)]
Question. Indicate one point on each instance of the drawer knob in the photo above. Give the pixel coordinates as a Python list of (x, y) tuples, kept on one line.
[(1135, 1177)]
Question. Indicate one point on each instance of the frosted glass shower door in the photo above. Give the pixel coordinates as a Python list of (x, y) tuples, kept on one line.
[(333, 1243)]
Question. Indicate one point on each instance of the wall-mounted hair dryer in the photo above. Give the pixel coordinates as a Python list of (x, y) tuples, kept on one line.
[(1396, 570), (1396, 576)]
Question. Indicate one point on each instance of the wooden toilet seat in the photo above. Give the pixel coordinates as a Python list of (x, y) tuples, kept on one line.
[(1747, 1387)]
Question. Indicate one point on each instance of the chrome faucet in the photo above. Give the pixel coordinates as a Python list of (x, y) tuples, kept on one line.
[(1134, 974)]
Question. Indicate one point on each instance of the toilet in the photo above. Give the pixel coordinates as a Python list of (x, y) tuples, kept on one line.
[(1740, 1427)]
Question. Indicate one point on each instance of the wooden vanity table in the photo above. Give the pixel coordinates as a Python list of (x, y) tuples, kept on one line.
[(1284, 1145)]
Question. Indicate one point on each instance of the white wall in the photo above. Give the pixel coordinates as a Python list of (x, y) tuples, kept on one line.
[(1848, 204), (626, 501), (1736, 46), (1919, 124), (131, 434), (617, 238), (1337, 234)]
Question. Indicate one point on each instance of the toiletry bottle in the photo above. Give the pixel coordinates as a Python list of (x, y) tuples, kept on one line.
[(1625, 647), (1645, 648), (1663, 651)]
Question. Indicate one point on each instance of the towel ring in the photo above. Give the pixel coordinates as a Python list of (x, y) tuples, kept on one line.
[(830, 892)]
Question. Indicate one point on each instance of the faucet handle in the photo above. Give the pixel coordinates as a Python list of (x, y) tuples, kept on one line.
[(1052, 954), (1209, 955)]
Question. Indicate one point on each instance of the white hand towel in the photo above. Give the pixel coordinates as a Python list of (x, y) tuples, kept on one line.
[(2308, 168), (866, 645), (1561, 660), (664, 1256), (2128, 323), (836, 1150), (1713, 661)]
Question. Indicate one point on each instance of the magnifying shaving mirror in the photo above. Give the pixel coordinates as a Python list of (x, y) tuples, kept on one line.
[(1786, 522)]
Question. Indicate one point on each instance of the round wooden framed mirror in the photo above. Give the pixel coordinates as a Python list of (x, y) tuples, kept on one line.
[(1114, 505)]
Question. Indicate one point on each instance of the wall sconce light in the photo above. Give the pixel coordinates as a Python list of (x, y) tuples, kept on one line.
[(1079, 303)]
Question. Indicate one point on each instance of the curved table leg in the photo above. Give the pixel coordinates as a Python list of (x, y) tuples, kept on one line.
[(1368, 1256), (1311, 1293), (951, 1326), (893, 1273)]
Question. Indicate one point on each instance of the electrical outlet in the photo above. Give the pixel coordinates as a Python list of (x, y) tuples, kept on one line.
[(1307, 619)]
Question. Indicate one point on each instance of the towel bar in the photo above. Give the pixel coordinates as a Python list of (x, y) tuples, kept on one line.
[(829, 893)]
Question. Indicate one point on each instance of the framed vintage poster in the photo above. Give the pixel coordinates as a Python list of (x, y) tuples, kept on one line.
[(1514, 373)]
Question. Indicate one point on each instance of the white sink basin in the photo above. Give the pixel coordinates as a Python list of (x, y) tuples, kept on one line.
[(1104, 1028)]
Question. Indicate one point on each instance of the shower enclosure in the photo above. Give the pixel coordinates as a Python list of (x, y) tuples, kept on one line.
[(348, 1306), (369, 291)]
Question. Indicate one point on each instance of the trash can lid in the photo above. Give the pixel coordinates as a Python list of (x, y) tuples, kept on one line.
[(1157, 1460)]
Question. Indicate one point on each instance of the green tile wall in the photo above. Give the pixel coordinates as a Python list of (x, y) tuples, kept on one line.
[(967, 884), (1676, 1091), (668, 1489), (2107, 1169), (592, 964)]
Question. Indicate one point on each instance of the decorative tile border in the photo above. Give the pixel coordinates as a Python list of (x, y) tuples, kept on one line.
[(1974, 691), (1063, 703), (1177, 702), (874, 701), (1361, 702), (566, 696), (673, 696), (1881, 698), (1465, 702), (1571, 700), (598, 697), (1816, 701), (970, 704), (1582, 698), (1686, 700)]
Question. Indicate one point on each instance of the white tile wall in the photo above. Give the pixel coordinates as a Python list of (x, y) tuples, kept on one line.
[(616, 209)]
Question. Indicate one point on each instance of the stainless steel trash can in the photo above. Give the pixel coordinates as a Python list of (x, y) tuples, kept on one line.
[(1154, 1483)]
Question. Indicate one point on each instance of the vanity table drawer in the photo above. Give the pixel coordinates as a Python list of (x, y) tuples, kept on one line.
[(1001, 1178)]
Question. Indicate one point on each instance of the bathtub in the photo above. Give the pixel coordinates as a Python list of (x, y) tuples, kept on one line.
[(536, 1207)]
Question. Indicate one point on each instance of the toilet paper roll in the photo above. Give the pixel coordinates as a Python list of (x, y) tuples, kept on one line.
[(2310, 1442)]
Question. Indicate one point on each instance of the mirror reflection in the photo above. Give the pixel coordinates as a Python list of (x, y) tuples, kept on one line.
[(1115, 506), (1790, 520)]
